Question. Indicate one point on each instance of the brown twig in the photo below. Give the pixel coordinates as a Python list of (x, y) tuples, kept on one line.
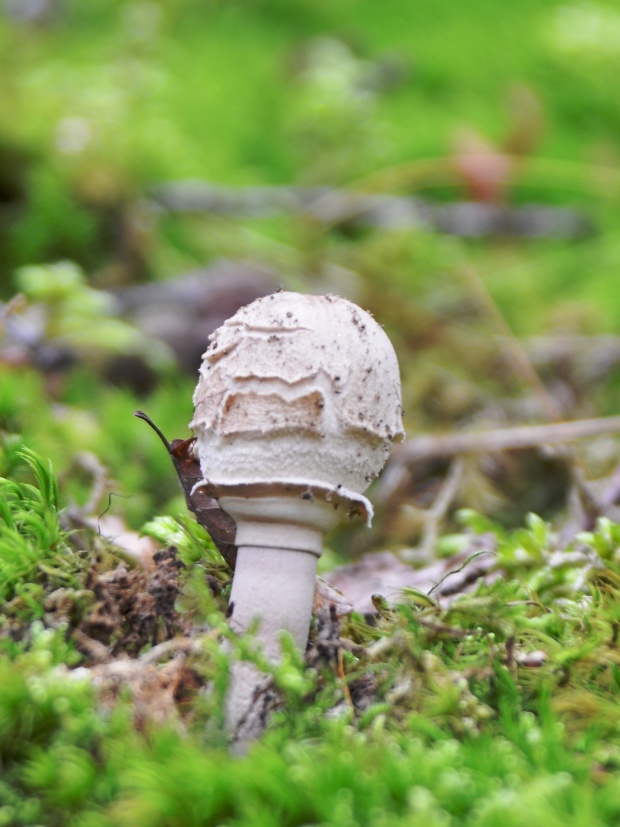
[(174, 646), (442, 628), (329, 207), (611, 493), (89, 462), (504, 439), (435, 515), (96, 651)]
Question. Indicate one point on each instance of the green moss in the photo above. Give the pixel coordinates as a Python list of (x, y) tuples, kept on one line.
[(34, 548), (455, 725)]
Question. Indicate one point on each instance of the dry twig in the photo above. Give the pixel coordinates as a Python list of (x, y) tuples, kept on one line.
[(504, 439), (435, 515)]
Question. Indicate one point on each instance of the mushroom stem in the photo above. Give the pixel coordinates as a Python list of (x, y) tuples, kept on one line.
[(279, 542), (277, 588)]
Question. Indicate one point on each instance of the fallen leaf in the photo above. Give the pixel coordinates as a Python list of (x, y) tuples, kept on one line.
[(211, 517)]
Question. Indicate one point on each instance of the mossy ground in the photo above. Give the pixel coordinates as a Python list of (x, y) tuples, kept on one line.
[(496, 707), (499, 708)]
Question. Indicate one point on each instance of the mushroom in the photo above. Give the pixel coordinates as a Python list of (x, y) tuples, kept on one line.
[(296, 408)]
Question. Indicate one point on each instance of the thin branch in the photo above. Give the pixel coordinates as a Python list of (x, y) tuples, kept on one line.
[(435, 515), (464, 565), (331, 207), (174, 646), (89, 462), (504, 439), (611, 492)]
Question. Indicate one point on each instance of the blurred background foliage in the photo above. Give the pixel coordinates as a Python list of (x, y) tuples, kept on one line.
[(112, 110)]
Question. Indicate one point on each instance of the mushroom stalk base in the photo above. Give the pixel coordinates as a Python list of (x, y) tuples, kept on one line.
[(279, 543), (279, 597)]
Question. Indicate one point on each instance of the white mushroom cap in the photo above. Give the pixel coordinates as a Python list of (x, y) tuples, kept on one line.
[(301, 390)]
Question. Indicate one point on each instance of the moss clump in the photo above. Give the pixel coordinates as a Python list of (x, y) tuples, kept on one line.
[(35, 553), (500, 707)]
